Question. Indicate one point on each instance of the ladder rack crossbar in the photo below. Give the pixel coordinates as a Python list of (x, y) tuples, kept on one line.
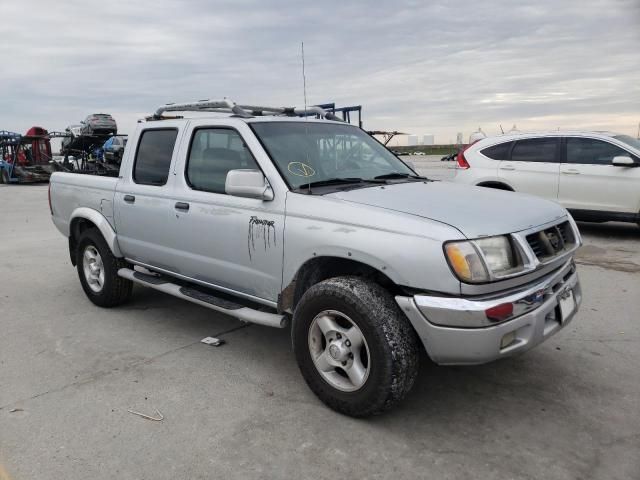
[(244, 111)]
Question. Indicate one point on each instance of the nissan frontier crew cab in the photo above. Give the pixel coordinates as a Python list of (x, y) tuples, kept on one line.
[(273, 215)]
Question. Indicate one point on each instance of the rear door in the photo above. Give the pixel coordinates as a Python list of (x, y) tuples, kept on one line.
[(589, 181), (533, 167), (142, 201)]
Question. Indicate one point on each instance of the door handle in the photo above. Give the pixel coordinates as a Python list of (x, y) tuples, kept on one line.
[(182, 206), (129, 198), (508, 167), (571, 172)]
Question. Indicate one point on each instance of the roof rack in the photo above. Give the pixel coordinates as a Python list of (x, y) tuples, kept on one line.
[(243, 111)]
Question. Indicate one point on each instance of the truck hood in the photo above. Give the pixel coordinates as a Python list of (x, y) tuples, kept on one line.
[(474, 211)]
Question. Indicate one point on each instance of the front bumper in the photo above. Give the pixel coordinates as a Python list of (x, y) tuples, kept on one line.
[(439, 320)]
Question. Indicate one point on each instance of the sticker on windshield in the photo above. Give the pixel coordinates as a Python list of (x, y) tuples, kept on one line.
[(301, 169)]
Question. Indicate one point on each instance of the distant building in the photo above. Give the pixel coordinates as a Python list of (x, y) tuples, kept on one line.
[(412, 140), (459, 140), (428, 139)]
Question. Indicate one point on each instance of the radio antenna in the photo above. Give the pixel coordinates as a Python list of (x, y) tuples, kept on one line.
[(304, 92), (304, 80)]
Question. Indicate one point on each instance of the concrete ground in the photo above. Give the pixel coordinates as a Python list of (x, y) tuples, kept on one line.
[(432, 166), (69, 371)]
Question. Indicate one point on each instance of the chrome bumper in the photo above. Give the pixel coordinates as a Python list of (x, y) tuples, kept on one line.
[(456, 331)]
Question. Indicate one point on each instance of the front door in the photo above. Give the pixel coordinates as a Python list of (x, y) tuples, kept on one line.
[(533, 167), (234, 243), (589, 181)]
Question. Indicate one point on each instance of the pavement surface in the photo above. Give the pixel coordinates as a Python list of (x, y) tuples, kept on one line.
[(70, 371), (432, 166)]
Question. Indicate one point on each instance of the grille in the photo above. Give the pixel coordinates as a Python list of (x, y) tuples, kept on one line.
[(552, 241)]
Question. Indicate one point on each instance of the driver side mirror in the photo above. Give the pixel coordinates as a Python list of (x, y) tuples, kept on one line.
[(248, 183), (623, 161)]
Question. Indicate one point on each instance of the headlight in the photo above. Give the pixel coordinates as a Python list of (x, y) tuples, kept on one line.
[(484, 259)]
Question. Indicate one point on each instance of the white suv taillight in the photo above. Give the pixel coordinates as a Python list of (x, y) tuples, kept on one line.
[(462, 161)]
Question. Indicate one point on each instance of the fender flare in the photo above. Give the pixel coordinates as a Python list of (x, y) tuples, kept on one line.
[(102, 224)]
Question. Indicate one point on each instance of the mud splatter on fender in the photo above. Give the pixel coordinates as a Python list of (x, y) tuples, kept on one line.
[(260, 229)]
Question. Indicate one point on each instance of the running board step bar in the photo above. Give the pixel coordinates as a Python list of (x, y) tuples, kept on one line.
[(212, 302)]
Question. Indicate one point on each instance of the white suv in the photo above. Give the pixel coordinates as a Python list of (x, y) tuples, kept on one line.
[(593, 174)]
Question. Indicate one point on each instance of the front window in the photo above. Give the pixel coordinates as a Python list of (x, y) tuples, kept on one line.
[(311, 152), (632, 142), (214, 152), (591, 151)]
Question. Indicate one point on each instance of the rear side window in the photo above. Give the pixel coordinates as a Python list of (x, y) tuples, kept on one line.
[(535, 150), (153, 156), (213, 152), (498, 152), (591, 151)]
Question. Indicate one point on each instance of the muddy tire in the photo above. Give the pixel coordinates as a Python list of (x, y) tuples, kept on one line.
[(98, 271), (355, 348)]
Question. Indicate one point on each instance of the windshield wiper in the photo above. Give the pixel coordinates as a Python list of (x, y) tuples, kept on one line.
[(336, 181), (391, 176)]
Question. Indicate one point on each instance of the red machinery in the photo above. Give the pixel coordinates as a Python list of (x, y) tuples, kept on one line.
[(40, 145), (26, 158)]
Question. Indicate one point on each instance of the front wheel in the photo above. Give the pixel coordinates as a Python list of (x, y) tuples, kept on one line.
[(354, 346), (98, 271)]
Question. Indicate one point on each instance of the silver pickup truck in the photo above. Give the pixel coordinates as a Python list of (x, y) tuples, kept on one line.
[(268, 215)]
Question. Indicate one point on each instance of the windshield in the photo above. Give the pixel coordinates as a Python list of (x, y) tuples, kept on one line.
[(629, 141), (310, 152)]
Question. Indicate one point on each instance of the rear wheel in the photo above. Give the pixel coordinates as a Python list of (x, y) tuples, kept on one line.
[(355, 348), (98, 271)]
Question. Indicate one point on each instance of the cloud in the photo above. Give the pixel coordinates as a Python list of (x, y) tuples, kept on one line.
[(438, 67)]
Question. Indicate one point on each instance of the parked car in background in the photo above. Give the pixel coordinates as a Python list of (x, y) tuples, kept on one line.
[(99, 124), (89, 135), (593, 174), (113, 149), (98, 154), (73, 140)]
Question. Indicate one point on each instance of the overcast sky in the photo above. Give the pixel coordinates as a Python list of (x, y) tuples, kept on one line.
[(416, 66)]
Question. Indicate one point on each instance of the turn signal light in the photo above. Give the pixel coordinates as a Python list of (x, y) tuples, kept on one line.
[(500, 312), (458, 260)]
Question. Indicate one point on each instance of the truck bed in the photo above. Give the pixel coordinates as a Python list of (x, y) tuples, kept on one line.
[(70, 191)]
